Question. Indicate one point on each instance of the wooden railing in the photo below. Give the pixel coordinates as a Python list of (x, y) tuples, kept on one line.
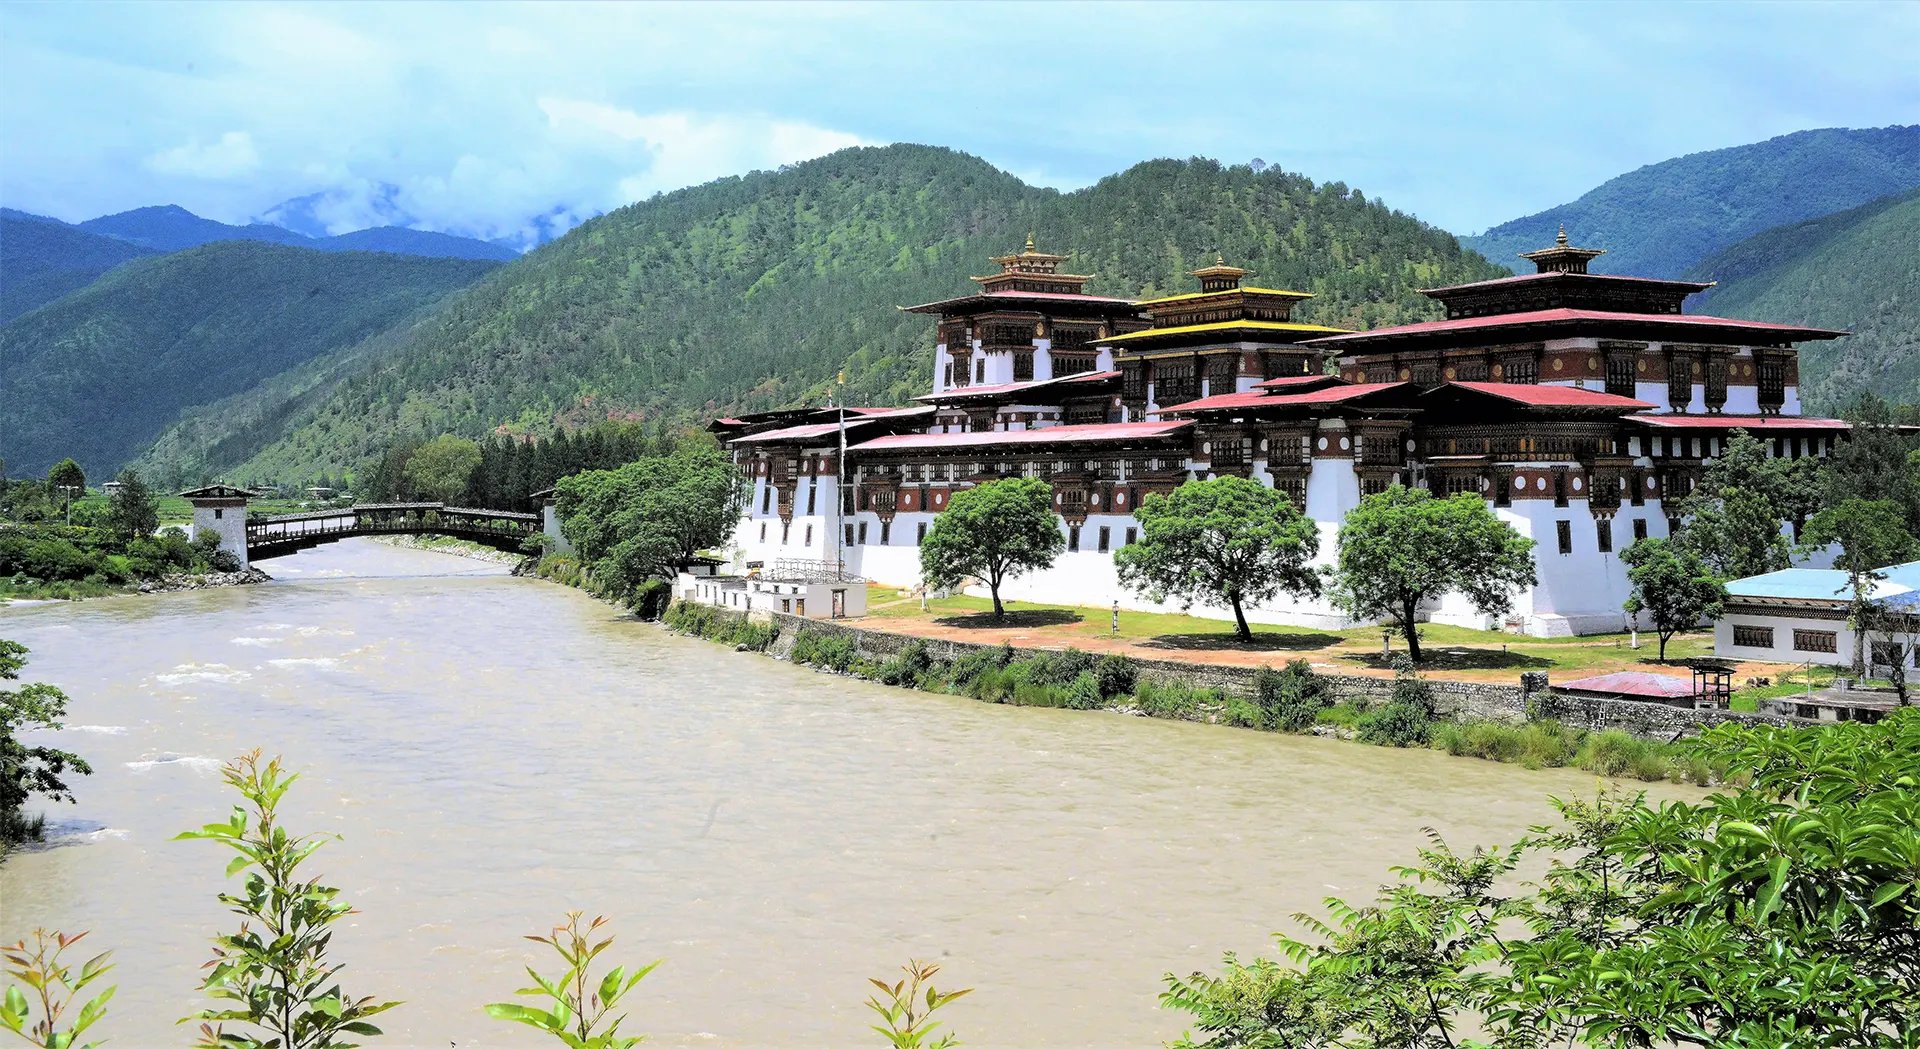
[(288, 533)]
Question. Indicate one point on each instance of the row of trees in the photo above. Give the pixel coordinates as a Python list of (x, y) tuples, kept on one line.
[(501, 472), (1235, 542)]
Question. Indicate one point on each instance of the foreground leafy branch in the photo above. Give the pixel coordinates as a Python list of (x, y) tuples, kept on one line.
[(274, 972), (56, 986), (907, 1011), (580, 1003)]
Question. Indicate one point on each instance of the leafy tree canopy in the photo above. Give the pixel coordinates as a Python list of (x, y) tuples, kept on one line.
[(26, 770), (66, 478), (1231, 540), (1403, 546), (992, 532), (644, 520), (1737, 513), (440, 468), (1672, 586), (1786, 913), (132, 512)]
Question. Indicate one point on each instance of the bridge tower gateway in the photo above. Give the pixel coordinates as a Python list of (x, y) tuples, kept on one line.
[(222, 509)]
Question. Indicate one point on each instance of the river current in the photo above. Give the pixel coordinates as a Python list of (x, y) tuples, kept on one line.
[(494, 752)]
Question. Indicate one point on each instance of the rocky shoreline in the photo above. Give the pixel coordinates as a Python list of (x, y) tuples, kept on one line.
[(456, 547), (188, 581)]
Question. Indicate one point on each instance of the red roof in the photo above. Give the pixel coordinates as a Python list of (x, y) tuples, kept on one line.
[(1043, 435), (809, 431), (1266, 399), (1498, 281), (1562, 316), (1545, 396), (1676, 421), (1296, 380), (1051, 296), (1014, 387), (1634, 683)]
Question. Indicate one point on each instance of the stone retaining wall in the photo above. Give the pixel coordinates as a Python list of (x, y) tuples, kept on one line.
[(1464, 700)]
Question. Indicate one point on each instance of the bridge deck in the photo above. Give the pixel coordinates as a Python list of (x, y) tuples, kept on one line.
[(284, 534)]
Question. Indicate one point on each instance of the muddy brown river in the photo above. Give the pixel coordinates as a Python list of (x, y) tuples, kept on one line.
[(494, 752)]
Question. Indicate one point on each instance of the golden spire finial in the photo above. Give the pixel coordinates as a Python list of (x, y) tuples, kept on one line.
[(1029, 243), (1561, 240), (1219, 259)]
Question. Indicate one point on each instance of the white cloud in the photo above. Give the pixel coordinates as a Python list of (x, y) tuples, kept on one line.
[(230, 156)]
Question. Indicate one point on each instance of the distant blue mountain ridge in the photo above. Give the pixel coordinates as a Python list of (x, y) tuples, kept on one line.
[(170, 227)]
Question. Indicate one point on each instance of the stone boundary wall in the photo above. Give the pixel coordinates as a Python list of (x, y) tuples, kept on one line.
[(1464, 700)]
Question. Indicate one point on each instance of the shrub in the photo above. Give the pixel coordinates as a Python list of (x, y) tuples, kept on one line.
[(1291, 699), (650, 599), (1394, 725), (1173, 701), (1117, 676), (1059, 668), (833, 652), (1084, 692), (53, 559), (973, 664), (1035, 694), (1345, 714), (991, 685), (1243, 713), (223, 561), (906, 667)]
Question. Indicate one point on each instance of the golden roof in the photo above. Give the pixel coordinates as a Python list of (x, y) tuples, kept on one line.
[(1221, 326)]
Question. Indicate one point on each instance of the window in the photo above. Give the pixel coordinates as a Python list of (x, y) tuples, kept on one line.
[(886, 532), (1753, 636), (812, 488), (786, 604), (1565, 530), (1559, 488), (786, 531), (849, 536), (1105, 534), (980, 370), (1815, 641), (766, 498), (763, 531), (218, 513), (863, 534), (799, 606), (1639, 529), (920, 533), (1889, 653), (1604, 529), (1073, 537), (809, 540), (1133, 535)]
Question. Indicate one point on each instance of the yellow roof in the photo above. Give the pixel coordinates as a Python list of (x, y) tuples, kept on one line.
[(1195, 329), (1229, 291)]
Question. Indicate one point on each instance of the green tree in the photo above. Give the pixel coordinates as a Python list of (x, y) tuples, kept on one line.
[(645, 519), (1672, 586), (1785, 913), (1736, 513), (1871, 535), (1229, 539), (992, 532), (907, 1011), (132, 512), (26, 771), (440, 468), (275, 974), (65, 480), (1874, 462), (58, 988), (1403, 546)]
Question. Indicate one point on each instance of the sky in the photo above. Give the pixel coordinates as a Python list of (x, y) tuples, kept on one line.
[(509, 121)]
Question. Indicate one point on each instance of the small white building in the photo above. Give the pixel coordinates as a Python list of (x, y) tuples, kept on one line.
[(817, 590), (1799, 615)]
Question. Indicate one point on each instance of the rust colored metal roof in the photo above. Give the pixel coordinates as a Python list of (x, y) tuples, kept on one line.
[(1008, 297), (960, 392), (1526, 278), (1637, 683), (1269, 399), (1094, 432), (1291, 381)]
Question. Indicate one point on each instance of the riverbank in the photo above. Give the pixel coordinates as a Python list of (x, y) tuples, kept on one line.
[(1500, 723), (35, 592), (441, 544)]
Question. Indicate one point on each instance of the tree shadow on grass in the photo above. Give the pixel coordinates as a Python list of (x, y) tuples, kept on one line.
[(1451, 657), (1263, 641), (1022, 618)]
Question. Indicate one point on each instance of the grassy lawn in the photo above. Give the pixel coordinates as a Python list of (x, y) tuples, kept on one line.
[(177, 511), (1444, 648)]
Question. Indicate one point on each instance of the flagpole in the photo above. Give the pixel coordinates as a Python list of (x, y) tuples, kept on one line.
[(840, 484)]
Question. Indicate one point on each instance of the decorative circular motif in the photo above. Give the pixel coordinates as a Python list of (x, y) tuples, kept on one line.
[(1450, 372), (1746, 369), (1102, 333), (1263, 444), (1343, 444), (1058, 499), (1409, 446), (1404, 373), (1540, 483), (1640, 366), (1593, 363), (1519, 482), (1696, 367), (1496, 371), (1206, 447), (1558, 364), (1119, 498), (1578, 484), (1484, 484), (1323, 444), (1039, 329), (1623, 484), (1649, 482)]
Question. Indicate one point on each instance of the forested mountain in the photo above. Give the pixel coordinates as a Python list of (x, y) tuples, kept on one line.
[(1666, 217), (174, 228), (1857, 270), (98, 374), (752, 292), (42, 259)]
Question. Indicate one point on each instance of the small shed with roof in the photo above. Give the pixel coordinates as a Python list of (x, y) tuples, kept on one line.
[(1800, 615)]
